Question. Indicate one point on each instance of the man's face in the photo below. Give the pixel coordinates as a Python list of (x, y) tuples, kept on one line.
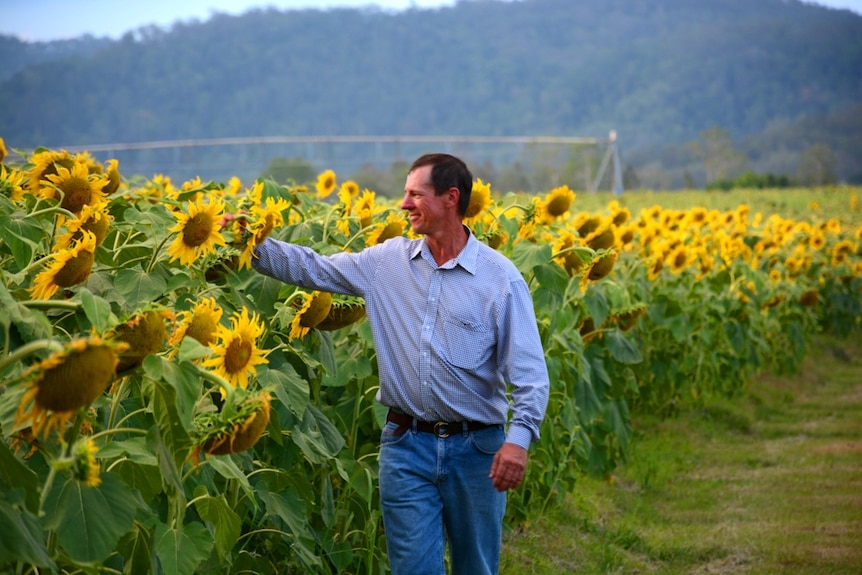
[(426, 210)]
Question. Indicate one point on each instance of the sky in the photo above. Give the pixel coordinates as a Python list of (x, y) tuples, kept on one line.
[(44, 20)]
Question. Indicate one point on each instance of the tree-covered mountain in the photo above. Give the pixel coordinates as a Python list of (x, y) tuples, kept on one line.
[(659, 72)]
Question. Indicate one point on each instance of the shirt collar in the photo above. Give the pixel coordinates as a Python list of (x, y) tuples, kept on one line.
[(466, 259)]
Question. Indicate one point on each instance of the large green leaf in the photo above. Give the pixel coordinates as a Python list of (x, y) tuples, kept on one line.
[(98, 310), (139, 286), (173, 439), (291, 389), (620, 348), (180, 551), (137, 549), (226, 523), (23, 538), (318, 438), (15, 475), (22, 235), (89, 521), (527, 256), (184, 378)]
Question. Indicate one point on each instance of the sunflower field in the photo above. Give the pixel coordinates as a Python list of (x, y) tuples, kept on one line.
[(166, 409)]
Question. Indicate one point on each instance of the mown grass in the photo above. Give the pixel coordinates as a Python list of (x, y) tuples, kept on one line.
[(768, 483)]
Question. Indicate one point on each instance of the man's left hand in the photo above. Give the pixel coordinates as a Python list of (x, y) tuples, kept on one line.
[(507, 470)]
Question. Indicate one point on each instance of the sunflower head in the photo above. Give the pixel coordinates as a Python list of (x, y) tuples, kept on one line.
[(558, 201), (144, 334), (236, 354), (67, 381), (69, 267), (342, 312), (200, 323), (391, 228), (78, 185), (3, 150), (85, 468), (809, 298), (480, 199), (313, 309), (198, 231), (326, 183), (235, 428), (113, 174), (627, 317)]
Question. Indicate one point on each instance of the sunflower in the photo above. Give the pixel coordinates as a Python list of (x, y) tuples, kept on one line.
[(480, 199), (237, 354), (66, 381), (144, 333), (45, 163), (3, 151), (86, 468), (113, 175), (313, 309), (599, 267), (566, 255), (841, 250), (602, 238), (556, 203), (69, 267), (365, 208), (263, 219), (809, 298), (585, 223), (11, 184), (344, 311), (678, 259), (627, 317), (235, 429), (200, 323), (78, 185), (391, 228), (198, 232), (619, 215), (326, 184), (93, 219), (348, 190)]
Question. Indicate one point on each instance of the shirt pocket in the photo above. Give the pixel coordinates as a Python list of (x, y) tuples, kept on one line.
[(468, 345)]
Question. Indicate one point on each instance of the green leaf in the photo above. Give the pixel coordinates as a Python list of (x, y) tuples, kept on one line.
[(527, 256), (98, 311), (597, 305), (180, 551), (138, 286), (620, 348), (552, 277), (226, 523), (183, 377), (22, 235), (137, 548), (90, 520), (23, 539), (14, 475), (290, 508), (318, 438), (171, 429), (290, 389)]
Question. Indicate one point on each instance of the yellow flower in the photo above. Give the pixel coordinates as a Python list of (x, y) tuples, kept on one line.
[(326, 184), (94, 219), (348, 190), (200, 323), (3, 150), (233, 430), (263, 219), (69, 267), (198, 232), (392, 227), (365, 208), (237, 354), (45, 163), (86, 468), (11, 184), (601, 265), (313, 309), (678, 259), (66, 381), (480, 199), (113, 175), (556, 203), (78, 186), (144, 333), (565, 255)]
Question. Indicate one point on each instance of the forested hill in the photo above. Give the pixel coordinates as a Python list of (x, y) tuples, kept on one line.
[(660, 72)]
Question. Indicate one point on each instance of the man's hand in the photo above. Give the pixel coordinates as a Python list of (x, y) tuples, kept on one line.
[(507, 470)]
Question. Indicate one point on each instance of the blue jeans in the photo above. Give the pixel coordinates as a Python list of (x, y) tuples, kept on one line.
[(433, 488)]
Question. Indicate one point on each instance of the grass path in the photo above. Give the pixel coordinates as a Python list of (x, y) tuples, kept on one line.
[(770, 483)]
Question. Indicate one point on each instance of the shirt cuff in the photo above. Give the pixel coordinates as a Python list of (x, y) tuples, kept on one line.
[(520, 436)]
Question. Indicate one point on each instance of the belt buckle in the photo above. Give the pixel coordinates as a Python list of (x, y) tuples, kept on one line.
[(441, 429)]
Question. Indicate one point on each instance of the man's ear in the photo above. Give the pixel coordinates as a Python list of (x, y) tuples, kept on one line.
[(453, 194)]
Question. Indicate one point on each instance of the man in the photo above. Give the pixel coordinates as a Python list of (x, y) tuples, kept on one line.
[(453, 326)]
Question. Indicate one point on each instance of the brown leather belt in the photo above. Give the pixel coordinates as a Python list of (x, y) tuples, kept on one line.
[(438, 428)]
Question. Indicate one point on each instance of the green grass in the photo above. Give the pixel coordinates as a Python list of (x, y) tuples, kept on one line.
[(769, 483)]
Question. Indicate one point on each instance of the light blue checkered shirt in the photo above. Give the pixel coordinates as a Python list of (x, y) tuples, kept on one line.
[(448, 338)]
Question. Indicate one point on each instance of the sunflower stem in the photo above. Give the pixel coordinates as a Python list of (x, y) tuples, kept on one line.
[(224, 384), (156, 253), (51, 304), (27, 349)]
